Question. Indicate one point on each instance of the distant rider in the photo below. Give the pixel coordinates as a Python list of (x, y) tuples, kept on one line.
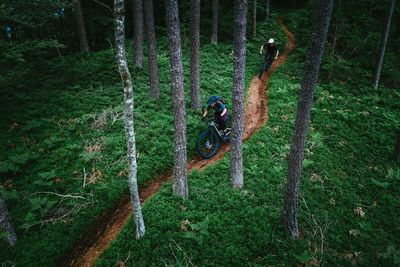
[(220, 112), (270, 52)]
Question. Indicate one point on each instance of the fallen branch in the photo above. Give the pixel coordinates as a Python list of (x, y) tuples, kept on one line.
[(59, 195)]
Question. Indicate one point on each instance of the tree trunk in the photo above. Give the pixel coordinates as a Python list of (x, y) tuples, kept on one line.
[(236, 169), (138, 32), (335, 38), (152, 48), (195, 54), (323, 10), (254, 18), (266, 9), (6, 225), (383, 45), (396, 152), (80, 22), (129, 127), (214, 25), (180, 183)]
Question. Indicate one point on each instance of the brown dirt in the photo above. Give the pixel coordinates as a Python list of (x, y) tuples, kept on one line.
[(256, 115)]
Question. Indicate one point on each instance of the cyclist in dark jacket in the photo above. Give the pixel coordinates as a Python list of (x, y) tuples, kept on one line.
[(220, 111), (270, 52)]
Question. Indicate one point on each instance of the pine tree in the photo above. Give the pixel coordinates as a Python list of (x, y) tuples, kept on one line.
[(138, 32), (129, 107), (254, 18), (236, 169), (80, 22), (6, 225), (323, 11), (214, 22), (152, 48), (195, 54), (180, 183), (385, 37), (396, 152)]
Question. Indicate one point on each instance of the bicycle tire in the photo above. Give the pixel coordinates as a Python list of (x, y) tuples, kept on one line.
[(202, 148)]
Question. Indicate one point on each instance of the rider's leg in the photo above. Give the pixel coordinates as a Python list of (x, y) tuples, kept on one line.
[(262, 69), (222, 124)]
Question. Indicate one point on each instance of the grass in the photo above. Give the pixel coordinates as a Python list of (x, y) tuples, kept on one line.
[(348, 199), (62, 121)]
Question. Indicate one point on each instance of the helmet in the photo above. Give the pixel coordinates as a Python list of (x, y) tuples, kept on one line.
[(212, 99), (271, 40)]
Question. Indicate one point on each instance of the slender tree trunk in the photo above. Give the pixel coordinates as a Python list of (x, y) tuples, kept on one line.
[(129, 107), (396, 152), (266, 9), (6, 225), (138, 32), (152, 47), (180, 183), (335, 37), (239, 36), (323, 10), (383, 45), (214, 25), (195, 54), (294, 3), (83, 42), (254, 18)]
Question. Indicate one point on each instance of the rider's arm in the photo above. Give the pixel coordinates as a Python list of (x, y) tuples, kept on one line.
[(205, 113), (261, 49), (277, 54), (224, 112), (222, 106)]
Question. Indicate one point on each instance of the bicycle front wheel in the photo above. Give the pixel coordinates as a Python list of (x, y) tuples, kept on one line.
[(207, 144)]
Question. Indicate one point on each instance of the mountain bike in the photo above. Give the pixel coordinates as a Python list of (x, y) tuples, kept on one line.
[(266, 65), (209, 140)]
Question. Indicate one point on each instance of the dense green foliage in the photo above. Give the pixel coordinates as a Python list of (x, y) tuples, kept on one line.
[(68, 121), (349, 189), (63, 123)]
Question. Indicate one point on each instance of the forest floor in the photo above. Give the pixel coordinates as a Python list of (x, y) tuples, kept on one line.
[(256, 115)]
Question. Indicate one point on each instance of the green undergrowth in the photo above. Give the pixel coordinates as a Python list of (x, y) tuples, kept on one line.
[(349, 189), (63, 129)]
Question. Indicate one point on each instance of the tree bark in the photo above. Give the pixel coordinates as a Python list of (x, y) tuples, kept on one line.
[(236, 168), (214, 25), (180, 183), (138, 32), (80, 22), (323, 11), (129, 107), (335, 38), (6, 225), (254, 18), (385, 37), (396, 153), (152, 48), (266, 9), (195, 54)]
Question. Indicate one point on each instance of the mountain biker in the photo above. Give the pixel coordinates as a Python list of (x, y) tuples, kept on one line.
[(220, 112), (270, 52)]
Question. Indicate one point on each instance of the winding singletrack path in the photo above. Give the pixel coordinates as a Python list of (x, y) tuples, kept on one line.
[(256, 115)]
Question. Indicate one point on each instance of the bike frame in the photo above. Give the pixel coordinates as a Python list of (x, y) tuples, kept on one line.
[(220, 133)]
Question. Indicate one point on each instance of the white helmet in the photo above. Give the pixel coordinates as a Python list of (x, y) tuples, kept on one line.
[(271, 40)]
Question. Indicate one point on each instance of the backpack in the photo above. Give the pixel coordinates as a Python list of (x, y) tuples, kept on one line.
[(216, 98)]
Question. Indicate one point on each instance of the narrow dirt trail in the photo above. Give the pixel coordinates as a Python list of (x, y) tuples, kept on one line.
[(256, 115)]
